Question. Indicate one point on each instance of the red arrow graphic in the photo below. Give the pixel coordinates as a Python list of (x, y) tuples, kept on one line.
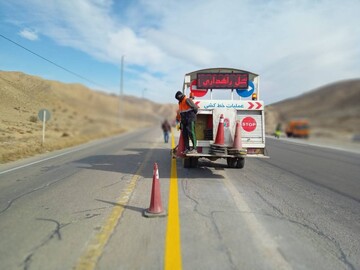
[(258, 105), (251, 105), (197, 103)]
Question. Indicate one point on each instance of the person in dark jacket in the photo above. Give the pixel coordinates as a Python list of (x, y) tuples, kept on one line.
[(166, 129), (188, 111)]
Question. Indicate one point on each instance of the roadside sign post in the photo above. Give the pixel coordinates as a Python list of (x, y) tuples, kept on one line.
[(44, 115)]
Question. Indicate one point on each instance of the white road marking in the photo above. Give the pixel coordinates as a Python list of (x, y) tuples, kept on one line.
[(39, 161)]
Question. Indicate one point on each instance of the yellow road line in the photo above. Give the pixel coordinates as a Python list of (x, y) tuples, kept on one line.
[(172, 242), (96, 246)]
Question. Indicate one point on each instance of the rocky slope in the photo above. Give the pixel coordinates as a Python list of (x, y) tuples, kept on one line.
[(332, 110)]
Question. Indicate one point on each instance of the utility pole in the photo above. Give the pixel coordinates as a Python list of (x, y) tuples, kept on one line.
[(143, 97), (121, 111), (143, 93)]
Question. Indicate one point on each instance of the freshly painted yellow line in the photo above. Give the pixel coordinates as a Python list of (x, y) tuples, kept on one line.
[(172, 242), (96, 246)]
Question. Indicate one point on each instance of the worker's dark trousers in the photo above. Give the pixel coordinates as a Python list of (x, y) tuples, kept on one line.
[(188, 131)]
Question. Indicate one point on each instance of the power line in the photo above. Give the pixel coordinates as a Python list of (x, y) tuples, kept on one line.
[(51, 62)]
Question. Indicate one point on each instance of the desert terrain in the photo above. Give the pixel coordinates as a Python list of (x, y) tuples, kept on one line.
[(333, 111), (78, 115)]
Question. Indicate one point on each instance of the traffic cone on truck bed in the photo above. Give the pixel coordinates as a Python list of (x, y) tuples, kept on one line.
[(237, 139), (220, 132), (237, 146), (218, 148), (155, 209)]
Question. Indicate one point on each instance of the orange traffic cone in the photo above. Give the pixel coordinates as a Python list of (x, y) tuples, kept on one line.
[(155, 209), (220, 132), (237, 139), (181, 146)]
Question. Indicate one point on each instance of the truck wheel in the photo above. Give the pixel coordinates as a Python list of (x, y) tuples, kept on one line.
[(194, 161), (190, 162), (187, 162), (240, 163), (231, 162)]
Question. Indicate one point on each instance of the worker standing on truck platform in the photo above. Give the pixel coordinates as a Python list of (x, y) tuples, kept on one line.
[(188, 111), (193, 139)]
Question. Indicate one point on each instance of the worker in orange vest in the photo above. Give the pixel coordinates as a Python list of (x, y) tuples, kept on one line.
[(188, 111)]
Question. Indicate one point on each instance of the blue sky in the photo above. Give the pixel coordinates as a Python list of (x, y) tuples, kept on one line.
[(295, 46)]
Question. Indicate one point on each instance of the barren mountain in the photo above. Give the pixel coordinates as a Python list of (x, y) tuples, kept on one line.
[(332, 110), (78, 114)]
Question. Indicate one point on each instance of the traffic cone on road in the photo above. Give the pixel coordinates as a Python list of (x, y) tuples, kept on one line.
[(155, 209), (220, 132), (237, 139)]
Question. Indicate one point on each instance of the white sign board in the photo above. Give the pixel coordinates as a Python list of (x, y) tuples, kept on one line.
[(44, 116)]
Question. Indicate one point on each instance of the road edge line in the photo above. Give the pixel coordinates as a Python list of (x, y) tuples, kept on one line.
[(264, 242), (95, 248)]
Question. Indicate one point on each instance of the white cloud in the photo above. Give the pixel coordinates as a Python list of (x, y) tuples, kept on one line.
[(180, 48), (29, 34), (138, 50), (294, 46)]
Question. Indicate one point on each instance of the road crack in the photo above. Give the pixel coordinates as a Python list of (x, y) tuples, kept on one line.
[(186, 190), (312, 227), (218, 232), (56, 234), (32, 191)]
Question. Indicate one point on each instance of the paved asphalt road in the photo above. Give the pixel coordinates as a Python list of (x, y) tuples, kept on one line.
[(82, 208)]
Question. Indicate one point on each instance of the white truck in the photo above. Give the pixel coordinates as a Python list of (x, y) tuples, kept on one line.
[(229, 96)]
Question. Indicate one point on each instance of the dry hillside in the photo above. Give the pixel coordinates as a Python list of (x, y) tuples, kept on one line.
[(332, 110), (78, 114)]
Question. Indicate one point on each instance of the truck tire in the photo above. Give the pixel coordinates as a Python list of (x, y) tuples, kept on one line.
[(240, 163), (186, 162), (236, 162), (231, 162), (194, 161), (190, 162)]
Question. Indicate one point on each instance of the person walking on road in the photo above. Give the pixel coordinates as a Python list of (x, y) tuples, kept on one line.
[(188, 111), (166, 129)]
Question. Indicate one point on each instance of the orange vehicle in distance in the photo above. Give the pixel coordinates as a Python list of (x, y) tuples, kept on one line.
[(298, 128)]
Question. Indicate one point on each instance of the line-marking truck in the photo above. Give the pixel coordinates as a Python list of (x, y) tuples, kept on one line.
[(232, 97)]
